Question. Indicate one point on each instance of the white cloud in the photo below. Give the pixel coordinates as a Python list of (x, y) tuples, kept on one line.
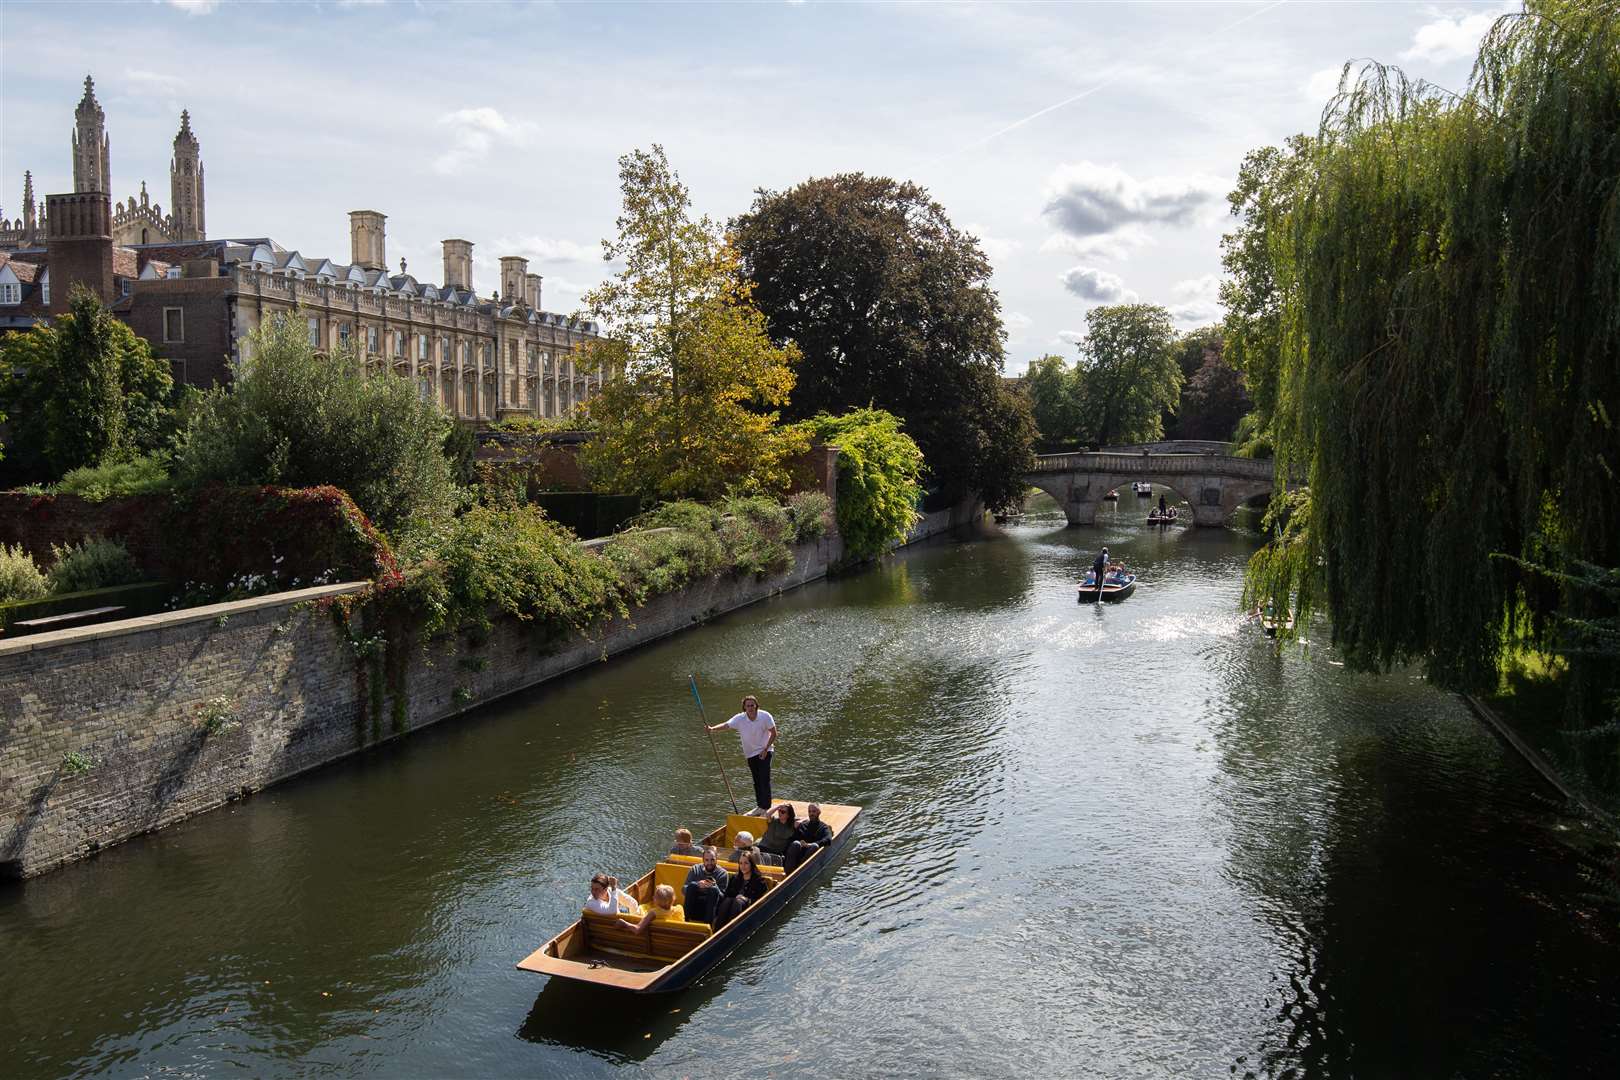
[(1090, 200), (1115, 246), (549, 250), (1089, 283), (1206, 287), (1195, 313), (152, 81), (476, 131), (1453, 35), (998, 248), (1069, 337), (195, 7), (1322, 85), (1016, 322)]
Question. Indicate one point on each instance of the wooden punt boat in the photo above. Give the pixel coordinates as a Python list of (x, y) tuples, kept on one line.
[(1111, 496), (1167, 518), (1270, 623), (601, 949), (1143, 489), (1110, 591)]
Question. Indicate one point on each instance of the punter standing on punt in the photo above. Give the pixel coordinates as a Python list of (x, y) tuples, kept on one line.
[(757, 728)]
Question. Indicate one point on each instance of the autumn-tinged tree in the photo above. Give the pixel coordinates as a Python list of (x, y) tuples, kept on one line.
[(1128, 374), (692, 382), (892, 307)]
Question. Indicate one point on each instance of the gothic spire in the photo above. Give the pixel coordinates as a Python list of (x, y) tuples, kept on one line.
[(91, 148)]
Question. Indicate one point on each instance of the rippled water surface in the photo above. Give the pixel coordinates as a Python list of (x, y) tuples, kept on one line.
[(1119, 841)]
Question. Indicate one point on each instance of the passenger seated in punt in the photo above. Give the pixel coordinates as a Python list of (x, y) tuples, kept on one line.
[(606, 899), (705, 885), (683, 844), (779, 833), (745, 843), (662, 909), (809, 835), (745, 886)]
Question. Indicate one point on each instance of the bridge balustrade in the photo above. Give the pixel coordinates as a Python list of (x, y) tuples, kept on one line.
[(1155, 464)]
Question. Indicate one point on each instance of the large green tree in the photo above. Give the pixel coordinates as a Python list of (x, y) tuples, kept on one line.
[(692, 385), (1054, 401), (297, 417), (891, 306), (1447, 270), (1269, 180), (79, 391), (1128, 375)]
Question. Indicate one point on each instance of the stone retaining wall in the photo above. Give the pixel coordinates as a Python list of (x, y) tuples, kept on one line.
[(181, 712)]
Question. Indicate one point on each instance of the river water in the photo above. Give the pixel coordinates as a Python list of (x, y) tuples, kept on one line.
[(1120, 841)]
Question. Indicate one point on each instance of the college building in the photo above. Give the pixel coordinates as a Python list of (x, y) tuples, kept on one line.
[(197, 300)]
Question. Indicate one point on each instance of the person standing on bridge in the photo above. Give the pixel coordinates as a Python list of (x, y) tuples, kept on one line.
[(757, 729)]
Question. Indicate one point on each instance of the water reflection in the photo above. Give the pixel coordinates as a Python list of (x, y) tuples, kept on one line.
[(1101, 840)]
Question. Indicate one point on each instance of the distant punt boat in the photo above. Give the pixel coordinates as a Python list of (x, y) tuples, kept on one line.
[(1169, 517), (1270, 623), (1143, 489), (1115, 587), (1112, 496), (667, 956)]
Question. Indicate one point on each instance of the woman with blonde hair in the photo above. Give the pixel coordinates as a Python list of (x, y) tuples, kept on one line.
[(662, 909)]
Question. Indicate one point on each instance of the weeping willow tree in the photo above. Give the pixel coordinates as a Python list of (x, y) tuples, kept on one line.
[(1449, 352)]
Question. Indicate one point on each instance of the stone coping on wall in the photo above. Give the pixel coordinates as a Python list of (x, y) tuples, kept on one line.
[(98, 631)]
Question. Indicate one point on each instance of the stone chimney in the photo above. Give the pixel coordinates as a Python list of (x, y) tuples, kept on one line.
[(514, 274), (368, 248), (458, 263), (78, 243), (531, 292)]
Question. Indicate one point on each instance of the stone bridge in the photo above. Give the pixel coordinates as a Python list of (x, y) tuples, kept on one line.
[(1215, 483)]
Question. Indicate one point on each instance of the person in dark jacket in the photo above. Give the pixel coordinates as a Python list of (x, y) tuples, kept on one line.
[(705, 885), (809, 836), (1099, 567), (779, 833), (745, 886)]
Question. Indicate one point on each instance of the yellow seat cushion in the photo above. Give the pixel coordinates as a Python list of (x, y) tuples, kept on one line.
[(671, 874), (736, 823)]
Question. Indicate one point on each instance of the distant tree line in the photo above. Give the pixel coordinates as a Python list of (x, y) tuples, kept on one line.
[(1136, 380)]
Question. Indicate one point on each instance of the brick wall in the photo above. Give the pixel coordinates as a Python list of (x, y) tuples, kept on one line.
[(202, 357), (38, 521), (132, 697)]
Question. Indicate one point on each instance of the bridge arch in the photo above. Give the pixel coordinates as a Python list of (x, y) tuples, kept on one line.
[(1214, 484)]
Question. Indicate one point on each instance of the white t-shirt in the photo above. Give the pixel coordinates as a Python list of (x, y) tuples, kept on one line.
[(755, 733), (610, 904)]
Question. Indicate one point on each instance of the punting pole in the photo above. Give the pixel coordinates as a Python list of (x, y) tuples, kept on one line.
[(712, 746)]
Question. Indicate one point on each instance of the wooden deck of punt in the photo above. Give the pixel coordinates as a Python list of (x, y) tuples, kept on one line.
[(671, 956)]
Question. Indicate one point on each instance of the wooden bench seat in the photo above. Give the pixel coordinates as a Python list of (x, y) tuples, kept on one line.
[(70, 619), (660, 941)]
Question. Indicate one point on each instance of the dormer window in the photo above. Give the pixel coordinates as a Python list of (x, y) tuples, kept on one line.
[(10, 293)]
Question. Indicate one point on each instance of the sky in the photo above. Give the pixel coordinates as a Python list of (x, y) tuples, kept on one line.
[(1089, 146)]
